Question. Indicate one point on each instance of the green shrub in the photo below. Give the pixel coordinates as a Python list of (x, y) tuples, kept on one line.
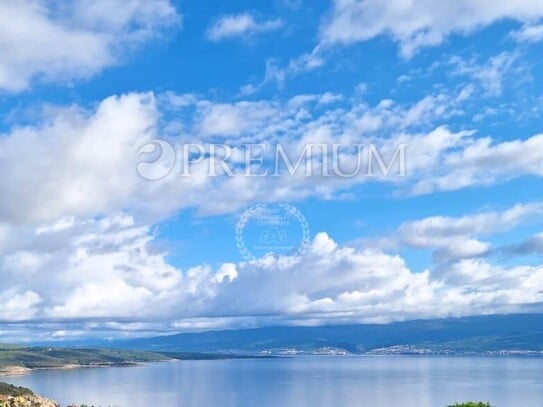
[(10, 390), (470, 404)]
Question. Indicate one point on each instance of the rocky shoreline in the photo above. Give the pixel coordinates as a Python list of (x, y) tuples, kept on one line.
[(14, 371), (13, 396), (21, 370), (26, 401)]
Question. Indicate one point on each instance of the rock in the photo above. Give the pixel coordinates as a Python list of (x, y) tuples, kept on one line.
[(26, 401)]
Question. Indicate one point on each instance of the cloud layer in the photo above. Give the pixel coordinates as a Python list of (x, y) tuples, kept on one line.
[(76, 240), (104, 273), (79, 242)]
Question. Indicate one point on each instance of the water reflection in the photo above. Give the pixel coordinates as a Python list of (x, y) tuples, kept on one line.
[(300, 382)]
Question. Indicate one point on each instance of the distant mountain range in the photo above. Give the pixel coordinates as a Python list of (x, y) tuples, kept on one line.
[(490, 335)]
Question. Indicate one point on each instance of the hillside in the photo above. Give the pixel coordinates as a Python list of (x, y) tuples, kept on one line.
[(14, 359), (491, 335), (10, 390)]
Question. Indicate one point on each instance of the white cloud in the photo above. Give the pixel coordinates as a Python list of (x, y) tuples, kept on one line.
[(419, 23), (240, 25), (457, 238), (18, 305), (90, 269), (77, 39), (493, 73), (484, 162), (275, 73), (529, 33), (226, 271), (76, 163), (224, 119)]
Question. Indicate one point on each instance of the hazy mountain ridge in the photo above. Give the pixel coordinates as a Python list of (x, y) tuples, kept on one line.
[(498, 334)]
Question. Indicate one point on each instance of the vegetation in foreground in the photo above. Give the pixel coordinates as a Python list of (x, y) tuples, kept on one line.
[(470, 404), (13, 396), (10, 390)]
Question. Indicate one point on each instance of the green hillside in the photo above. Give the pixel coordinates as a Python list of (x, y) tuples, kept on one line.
[(43, 357), (10, 390)]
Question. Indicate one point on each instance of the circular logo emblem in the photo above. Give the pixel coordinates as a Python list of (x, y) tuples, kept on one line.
[(158, 160), (265, 229)]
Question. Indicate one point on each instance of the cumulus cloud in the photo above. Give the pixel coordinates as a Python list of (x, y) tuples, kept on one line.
[(240, 25), (89, 269), (104, 275), (76, 163), (419, 23), (334, 282), (73, 40)]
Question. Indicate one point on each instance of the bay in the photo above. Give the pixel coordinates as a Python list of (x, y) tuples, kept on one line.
[(376, 381)]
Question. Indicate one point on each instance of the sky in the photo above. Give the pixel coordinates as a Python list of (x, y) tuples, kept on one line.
[(103, 235)]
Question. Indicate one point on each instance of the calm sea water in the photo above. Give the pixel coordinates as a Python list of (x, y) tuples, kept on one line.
[(300, 382)]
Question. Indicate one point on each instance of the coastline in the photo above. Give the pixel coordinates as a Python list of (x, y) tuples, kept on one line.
[(14, 371), (16, 366), (21, 370), (11, 371)]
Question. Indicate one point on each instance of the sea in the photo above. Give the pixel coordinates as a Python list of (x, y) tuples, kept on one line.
[(308, 381)]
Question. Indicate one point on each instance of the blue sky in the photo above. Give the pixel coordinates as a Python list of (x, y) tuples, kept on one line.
[(89, 248)]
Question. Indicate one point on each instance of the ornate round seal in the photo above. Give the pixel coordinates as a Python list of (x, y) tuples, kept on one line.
[(277, 229)]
